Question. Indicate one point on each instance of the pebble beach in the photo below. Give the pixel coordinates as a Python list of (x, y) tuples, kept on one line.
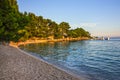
[(17, 65)]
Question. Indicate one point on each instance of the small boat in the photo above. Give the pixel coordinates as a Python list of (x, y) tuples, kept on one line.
[(108, 38)]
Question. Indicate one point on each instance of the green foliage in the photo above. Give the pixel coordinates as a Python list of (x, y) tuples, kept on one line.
[(78, 32), (10, 20), (16, 26), (64, 27)]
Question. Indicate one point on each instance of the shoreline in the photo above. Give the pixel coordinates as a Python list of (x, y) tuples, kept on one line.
[(60, 67), (30, 65), (45, 40)]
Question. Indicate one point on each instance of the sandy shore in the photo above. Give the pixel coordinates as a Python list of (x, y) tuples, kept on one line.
[(17, 65)]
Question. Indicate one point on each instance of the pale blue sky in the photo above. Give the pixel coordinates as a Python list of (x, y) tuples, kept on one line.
[(99, 17)]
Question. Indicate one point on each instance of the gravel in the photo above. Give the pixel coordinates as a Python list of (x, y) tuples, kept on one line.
[(17, 65)]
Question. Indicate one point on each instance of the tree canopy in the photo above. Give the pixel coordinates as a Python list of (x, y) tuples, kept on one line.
[(17, 26)]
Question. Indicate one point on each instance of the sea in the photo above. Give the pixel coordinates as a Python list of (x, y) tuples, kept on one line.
[(96, 59)]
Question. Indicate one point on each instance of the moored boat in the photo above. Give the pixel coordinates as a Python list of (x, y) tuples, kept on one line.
[(108, 38)]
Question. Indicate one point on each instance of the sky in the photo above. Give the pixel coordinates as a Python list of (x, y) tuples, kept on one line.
[(99, 17)]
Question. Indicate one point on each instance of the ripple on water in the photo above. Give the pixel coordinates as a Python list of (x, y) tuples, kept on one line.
[(98, 59)]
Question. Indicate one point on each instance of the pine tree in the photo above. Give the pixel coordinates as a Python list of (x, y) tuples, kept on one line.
[(9, 23)]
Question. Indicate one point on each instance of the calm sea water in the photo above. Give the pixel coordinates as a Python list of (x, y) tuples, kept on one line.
[(100, 60)]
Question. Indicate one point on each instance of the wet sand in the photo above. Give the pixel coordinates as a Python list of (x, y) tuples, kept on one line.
[(17, 65)]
